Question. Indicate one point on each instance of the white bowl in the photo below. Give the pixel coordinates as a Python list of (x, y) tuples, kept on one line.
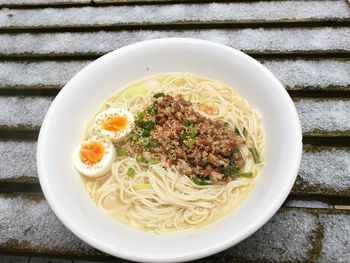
[(64, 124)]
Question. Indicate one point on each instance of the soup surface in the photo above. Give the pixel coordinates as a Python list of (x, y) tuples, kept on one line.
[(171, 152)]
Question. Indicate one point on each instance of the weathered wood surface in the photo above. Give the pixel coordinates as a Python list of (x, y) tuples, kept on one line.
[(253, 41), (295, 74), (194, 14), (319, 234)]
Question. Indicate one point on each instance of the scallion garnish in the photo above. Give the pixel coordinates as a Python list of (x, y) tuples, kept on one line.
[(135, 137), (158, 95), (230, 170), (131, 172), (249, 174), (148, 125), (139, 157), (201, 181), (189, 142), (186, 122), (152, 110), (255, 154), (121, 153)]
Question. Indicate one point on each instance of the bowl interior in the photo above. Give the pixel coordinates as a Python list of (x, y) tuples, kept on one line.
[(65, 122)]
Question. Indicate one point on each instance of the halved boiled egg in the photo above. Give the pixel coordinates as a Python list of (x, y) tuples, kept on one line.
[(114, 123), (94, 157)]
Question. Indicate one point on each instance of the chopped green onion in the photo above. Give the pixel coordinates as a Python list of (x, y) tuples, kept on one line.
[(140, 115), (235, 150), (203, 162), (139, 157), (148, 125), (143, 186), (152, 143), (121, 153), (152, 110), (245, 174), (186, 122), (237, 132), (255, 154), (201, 181), (131, 172), (135, 137), (232, 159), (192, 132), (146, 133), (230, 170), (149, 143), (190, 142), (183, 136), (226, 124), (158, 95), (152, 161)]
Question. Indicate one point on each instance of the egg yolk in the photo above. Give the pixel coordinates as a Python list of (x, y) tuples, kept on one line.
[(114, 123), (91, 152)]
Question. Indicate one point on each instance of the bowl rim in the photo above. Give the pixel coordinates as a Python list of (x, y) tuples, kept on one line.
[(203, 252)]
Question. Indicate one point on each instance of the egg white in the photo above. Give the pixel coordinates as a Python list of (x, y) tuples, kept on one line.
[(103, 166), (111, 135)]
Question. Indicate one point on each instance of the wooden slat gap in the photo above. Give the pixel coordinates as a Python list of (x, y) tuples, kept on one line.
[(188, 25), (326, 93), (316, 54)]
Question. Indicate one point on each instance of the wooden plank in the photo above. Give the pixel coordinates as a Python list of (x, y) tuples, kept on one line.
[(317, 116), (291, 235), (253, 41), (48, 3), (21, 3), (184, 15), (298, 74), (323, 170)]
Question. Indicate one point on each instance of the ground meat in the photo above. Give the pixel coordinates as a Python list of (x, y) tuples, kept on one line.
[(197, 145)]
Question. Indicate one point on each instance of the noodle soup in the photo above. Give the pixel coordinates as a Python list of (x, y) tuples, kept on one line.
[(172, 152)]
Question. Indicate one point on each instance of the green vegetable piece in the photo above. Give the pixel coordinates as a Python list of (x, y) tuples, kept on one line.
[(226, 124), (192, 132), (135, 137), (152, 110), (158, 95), (121, 153), (255, 154), (201, 181), (131, 172), (183, 136), (186, 122), (203, 162), (235, 150), (237, 132), (137, 90), (152, 161), (232, 159), (139, 157), (148, 125), (146, 133), (249, 174), (190, 142), (230, 170), (152, 143), (140, 115)]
